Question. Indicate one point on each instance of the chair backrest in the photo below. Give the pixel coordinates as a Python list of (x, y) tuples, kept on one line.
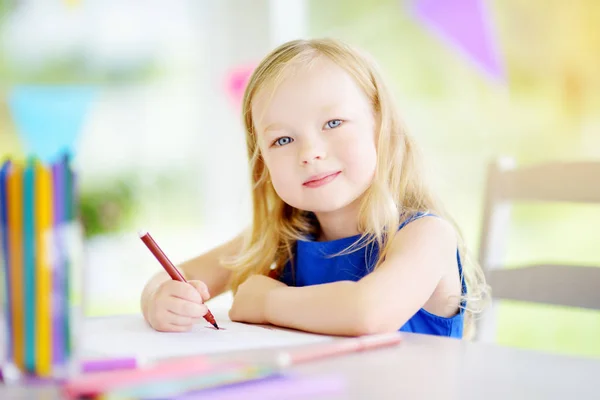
[(566, 285)]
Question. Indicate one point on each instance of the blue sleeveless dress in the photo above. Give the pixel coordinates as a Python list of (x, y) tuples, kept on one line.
[(314, 265)]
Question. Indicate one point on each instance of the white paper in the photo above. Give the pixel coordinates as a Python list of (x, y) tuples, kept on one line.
[(131, 336)]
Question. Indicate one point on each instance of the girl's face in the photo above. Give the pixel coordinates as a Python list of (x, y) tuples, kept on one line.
[(316, 134)]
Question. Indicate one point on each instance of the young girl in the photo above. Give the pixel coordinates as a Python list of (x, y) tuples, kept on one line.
[(345, 239)]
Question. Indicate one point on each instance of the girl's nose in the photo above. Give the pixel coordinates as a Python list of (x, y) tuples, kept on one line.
[(312, 152)]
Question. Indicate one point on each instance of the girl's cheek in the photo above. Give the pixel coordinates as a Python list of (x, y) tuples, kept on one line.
[(357, 150)]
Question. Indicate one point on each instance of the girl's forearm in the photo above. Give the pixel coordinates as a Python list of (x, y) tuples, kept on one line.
[(333, 309)]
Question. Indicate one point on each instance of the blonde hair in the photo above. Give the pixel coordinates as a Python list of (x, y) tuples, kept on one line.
[(396, 193)]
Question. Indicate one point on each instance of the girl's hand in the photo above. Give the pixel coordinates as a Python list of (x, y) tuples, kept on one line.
[(250, 301), (176, 306)]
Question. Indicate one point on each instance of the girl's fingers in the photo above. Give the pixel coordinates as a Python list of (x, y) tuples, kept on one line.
[(184, 291), (178, 320), (185, 308), (201, 288), (169, 322)]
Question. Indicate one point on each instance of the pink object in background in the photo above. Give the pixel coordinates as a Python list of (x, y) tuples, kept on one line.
[(236, 82), (465, 25)]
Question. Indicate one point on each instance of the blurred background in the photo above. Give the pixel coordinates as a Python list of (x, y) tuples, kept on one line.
[(147, 96)]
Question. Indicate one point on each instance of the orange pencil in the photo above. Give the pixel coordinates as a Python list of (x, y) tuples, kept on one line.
[(15, 240), (169, 267), (337, 348)]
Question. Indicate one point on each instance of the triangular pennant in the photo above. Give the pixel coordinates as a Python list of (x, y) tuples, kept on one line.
[(466, 25), (49, 119)]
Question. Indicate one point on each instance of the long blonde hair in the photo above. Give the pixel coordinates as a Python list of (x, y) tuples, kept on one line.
[(396, 193)]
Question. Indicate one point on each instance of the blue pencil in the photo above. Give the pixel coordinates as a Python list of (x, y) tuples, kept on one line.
[(68, 216), (29, 247)]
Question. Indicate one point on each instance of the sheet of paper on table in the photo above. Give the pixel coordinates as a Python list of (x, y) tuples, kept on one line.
[(131, 336)]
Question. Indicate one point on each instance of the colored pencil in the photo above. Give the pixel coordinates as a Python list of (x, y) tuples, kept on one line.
[(169, 267), (29, 248), (5, 250), (336, 348), (36, 200), (218, 375), (43, 269), (15, 244), (110, 364), (93, 384), (69, 213), (59, 313)]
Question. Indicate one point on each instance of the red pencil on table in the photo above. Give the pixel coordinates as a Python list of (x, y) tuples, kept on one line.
[(169, 267)]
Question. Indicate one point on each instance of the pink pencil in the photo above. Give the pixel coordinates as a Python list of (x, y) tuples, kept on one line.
[(92, 384), (337, 348)]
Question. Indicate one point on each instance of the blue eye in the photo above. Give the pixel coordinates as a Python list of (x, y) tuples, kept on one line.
[(334, 123), (282, 141)]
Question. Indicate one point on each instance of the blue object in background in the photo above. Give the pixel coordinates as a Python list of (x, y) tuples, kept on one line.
[(49, 119)]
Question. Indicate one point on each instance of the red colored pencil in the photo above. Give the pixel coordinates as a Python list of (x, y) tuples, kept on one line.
[(169, 267), (336, 348)]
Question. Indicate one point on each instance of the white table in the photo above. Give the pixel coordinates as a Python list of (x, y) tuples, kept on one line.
[(432, 367)]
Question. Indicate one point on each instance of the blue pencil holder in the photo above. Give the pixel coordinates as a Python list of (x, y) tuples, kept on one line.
[(40, 259)]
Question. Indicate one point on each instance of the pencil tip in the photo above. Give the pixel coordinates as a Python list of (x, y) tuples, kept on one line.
[(215, 325)]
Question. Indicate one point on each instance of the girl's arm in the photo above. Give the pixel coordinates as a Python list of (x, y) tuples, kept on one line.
[(206, 267), (420, 255)]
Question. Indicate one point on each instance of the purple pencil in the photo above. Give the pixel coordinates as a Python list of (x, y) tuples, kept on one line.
[(58, 274), (4, 171)]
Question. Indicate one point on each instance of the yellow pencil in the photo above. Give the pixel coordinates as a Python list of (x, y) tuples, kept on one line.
[(15, 238), (43, 232)]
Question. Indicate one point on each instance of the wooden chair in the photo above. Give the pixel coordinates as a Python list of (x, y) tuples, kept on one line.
[(565, 285)]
